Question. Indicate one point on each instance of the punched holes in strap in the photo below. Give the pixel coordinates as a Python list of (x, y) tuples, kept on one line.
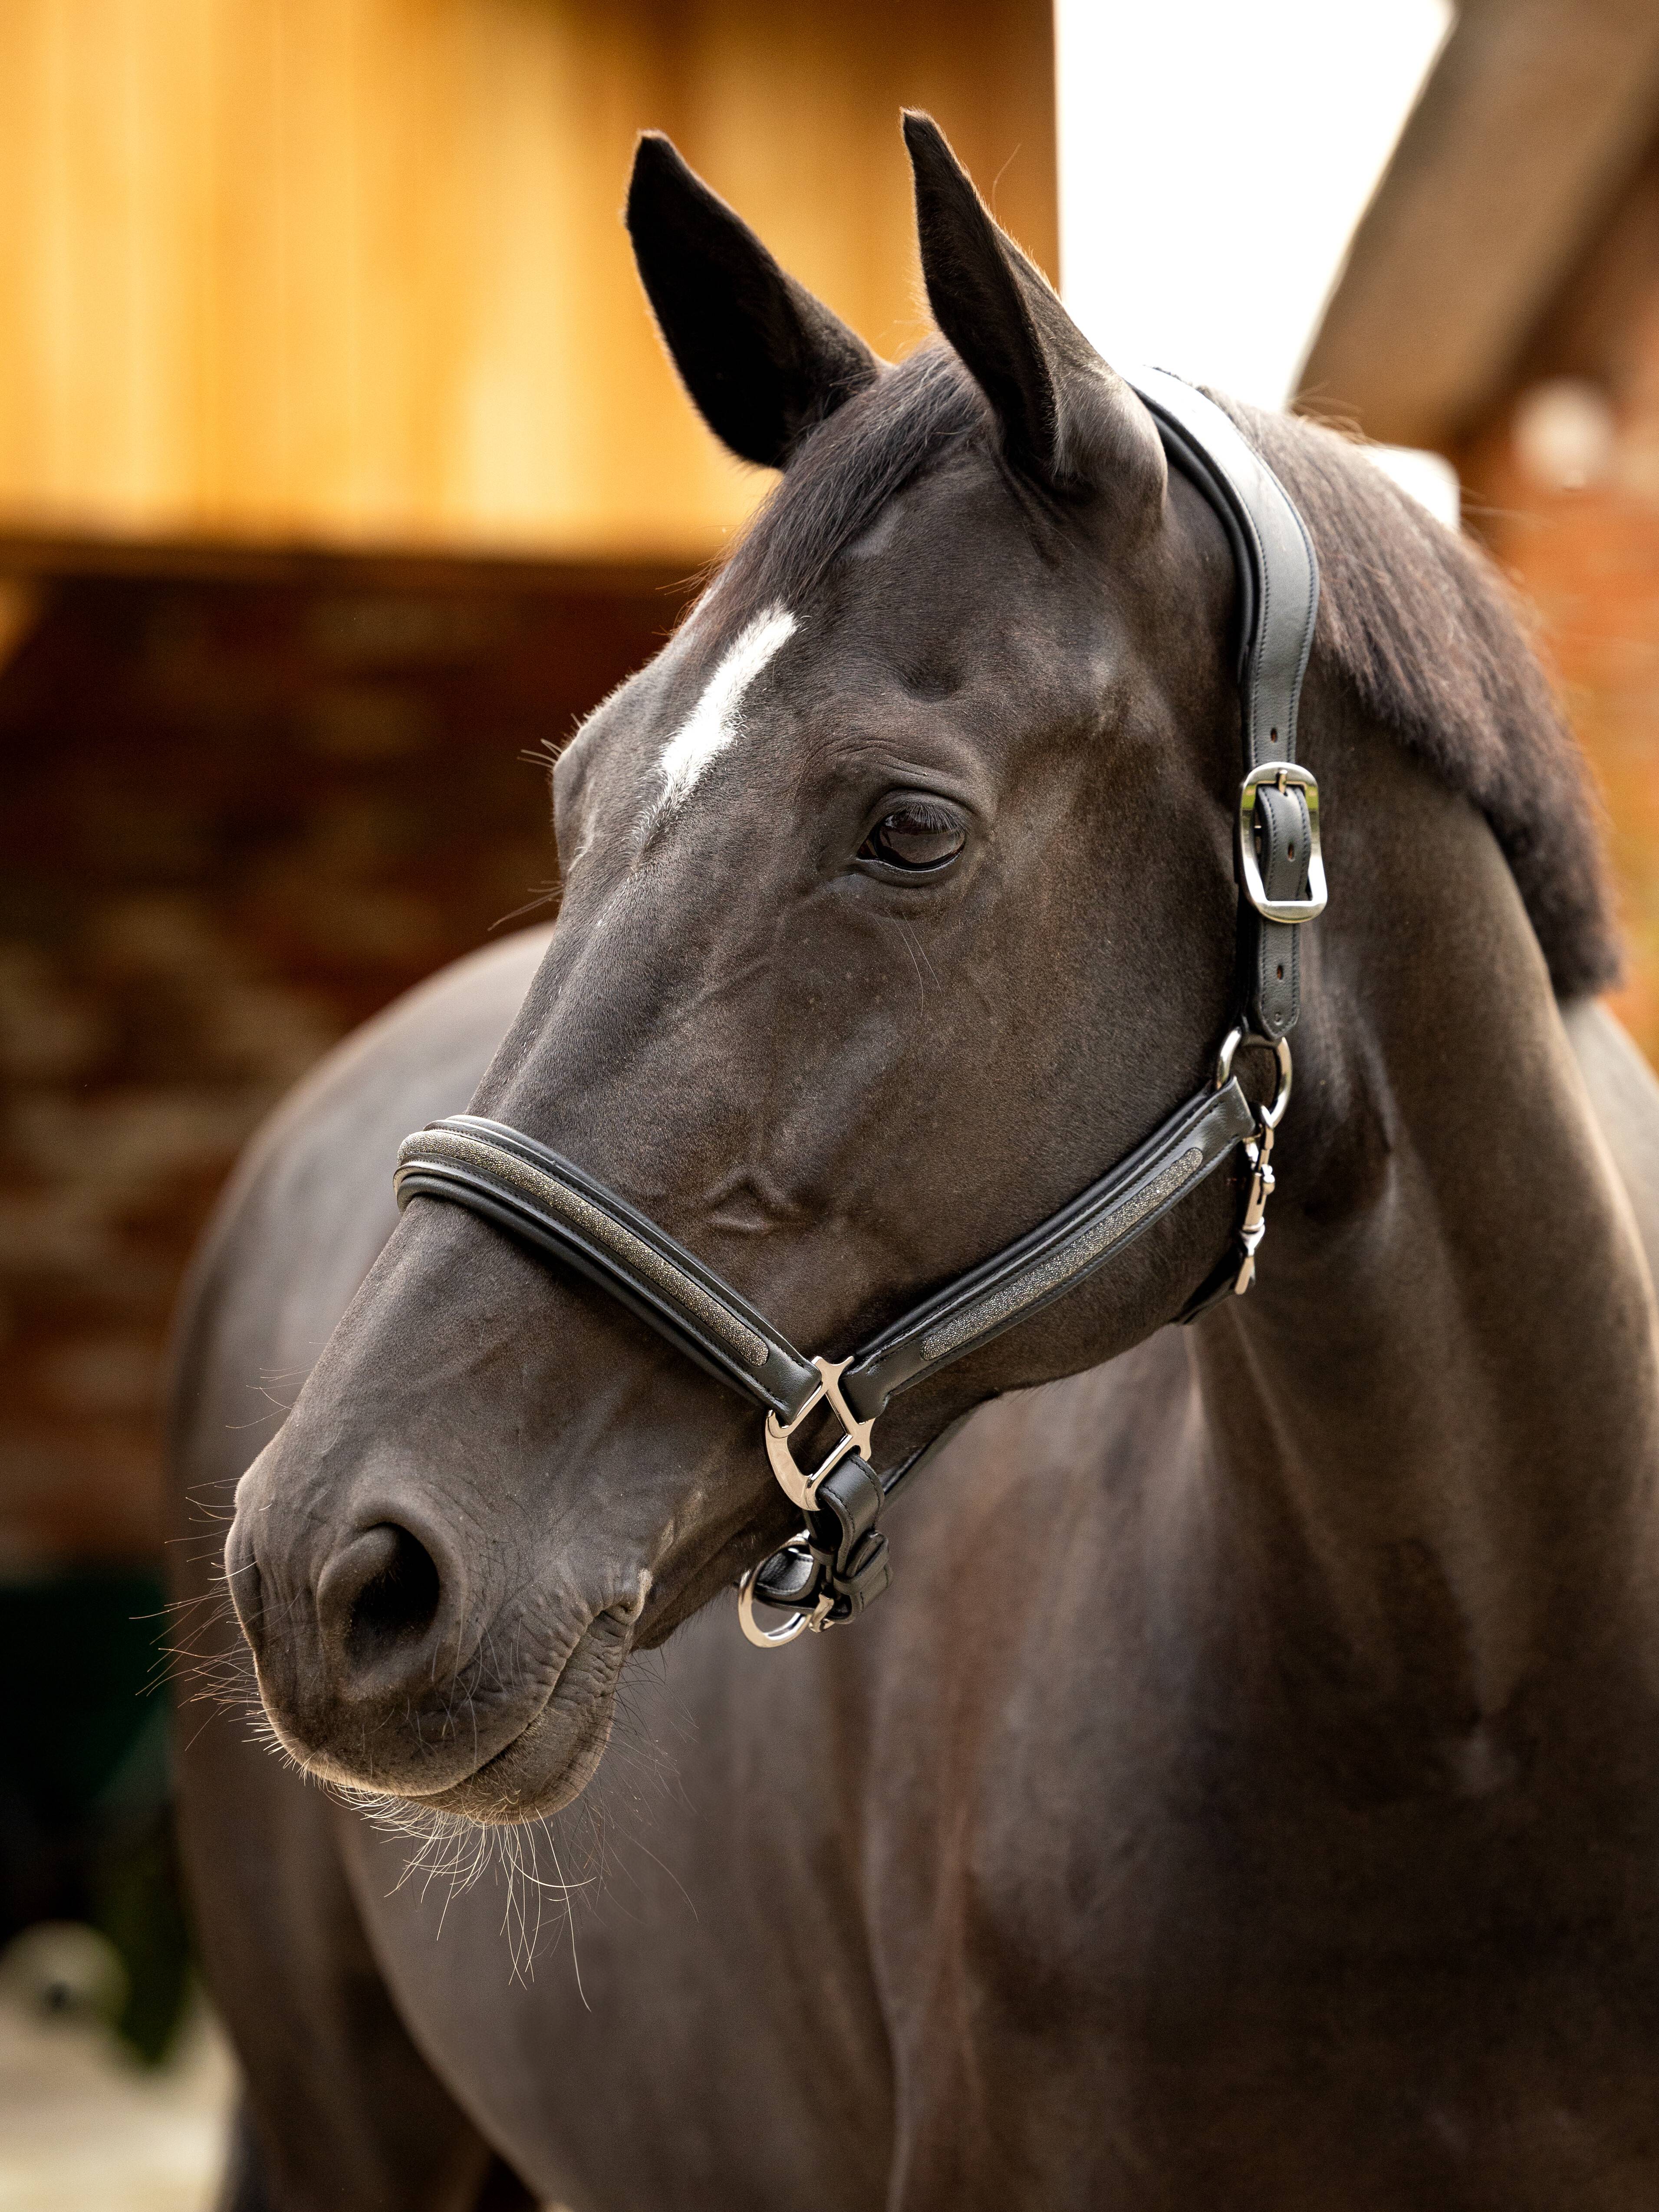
[(1281, 833)]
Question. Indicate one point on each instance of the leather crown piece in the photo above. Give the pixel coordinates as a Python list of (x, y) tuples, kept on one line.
[(840, 1562)]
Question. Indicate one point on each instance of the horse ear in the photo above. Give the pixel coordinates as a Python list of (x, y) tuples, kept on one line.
[(763, 360), (1067, 418)]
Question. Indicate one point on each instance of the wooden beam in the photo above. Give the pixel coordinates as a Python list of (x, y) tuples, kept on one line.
[(1536, 114), (29, 560)]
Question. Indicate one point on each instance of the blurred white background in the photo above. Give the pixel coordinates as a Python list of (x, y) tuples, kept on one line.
[(1215, 158)]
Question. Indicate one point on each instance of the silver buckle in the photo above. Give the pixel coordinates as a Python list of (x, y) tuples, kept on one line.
[(799, 1488), (1282, 776), (802, 1490)]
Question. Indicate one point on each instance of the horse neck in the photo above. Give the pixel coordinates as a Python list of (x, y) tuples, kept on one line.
[(1434, 1424)]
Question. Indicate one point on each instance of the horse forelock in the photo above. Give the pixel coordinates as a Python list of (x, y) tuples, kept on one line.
[(841, 482)]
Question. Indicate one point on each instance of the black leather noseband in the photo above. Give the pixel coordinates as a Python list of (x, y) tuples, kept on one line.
[(840, 1562)]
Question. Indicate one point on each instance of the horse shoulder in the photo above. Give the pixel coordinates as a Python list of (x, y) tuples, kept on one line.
[(299, 1225)]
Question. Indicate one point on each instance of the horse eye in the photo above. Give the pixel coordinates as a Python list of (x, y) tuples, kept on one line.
[(917, 836)]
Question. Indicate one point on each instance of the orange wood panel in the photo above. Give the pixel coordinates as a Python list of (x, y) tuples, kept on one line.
[(352, 270), (1587, 557)]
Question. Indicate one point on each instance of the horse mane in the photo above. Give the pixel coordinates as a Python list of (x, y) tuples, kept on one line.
[(1428, 636), (1411, 617)]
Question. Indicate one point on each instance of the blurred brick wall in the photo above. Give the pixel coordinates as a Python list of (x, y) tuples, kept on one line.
[(1587, 554), (237, 818)]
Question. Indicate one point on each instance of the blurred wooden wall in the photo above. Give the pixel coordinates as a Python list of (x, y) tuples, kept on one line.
[(352, 271)]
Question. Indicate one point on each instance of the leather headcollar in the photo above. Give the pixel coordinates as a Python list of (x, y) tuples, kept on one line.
[(840, 1562)]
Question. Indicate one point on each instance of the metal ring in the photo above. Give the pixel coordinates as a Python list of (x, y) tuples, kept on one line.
[(1242, 1039), (766, 1639)]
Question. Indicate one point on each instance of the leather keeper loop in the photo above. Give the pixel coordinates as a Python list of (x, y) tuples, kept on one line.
[(786, 1579), (864, 1579), (848, 1499)]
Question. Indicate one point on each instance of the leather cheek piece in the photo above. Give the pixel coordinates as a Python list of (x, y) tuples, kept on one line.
[(1277, 574), (1284, 835)]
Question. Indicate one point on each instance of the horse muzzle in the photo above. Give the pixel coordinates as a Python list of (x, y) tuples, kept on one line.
[(379, 1672)]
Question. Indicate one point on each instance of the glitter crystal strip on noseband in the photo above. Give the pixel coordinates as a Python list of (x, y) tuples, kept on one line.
[(838, 1565)]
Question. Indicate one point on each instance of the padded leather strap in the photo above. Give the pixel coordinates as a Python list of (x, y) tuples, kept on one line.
[(525, 1187), (532, 1191), (1054, 1257)]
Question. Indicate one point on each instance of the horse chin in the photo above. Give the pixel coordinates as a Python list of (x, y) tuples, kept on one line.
[(547, 1766), (547, 1763)]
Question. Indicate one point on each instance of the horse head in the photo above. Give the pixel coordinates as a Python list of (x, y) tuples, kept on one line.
[(898, 903)]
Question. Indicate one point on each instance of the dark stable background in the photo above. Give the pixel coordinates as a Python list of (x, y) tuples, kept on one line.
[(241, 813)]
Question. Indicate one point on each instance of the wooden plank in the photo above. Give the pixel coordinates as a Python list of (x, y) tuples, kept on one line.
[(352, 270)]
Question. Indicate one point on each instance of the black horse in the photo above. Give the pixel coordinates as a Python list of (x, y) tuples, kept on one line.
[(1248, 1792)]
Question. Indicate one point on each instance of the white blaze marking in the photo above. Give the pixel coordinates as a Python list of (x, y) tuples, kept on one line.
[(717, 717)]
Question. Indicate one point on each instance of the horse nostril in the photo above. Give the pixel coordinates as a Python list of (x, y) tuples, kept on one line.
[(398, 1602), (381, 1591)]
